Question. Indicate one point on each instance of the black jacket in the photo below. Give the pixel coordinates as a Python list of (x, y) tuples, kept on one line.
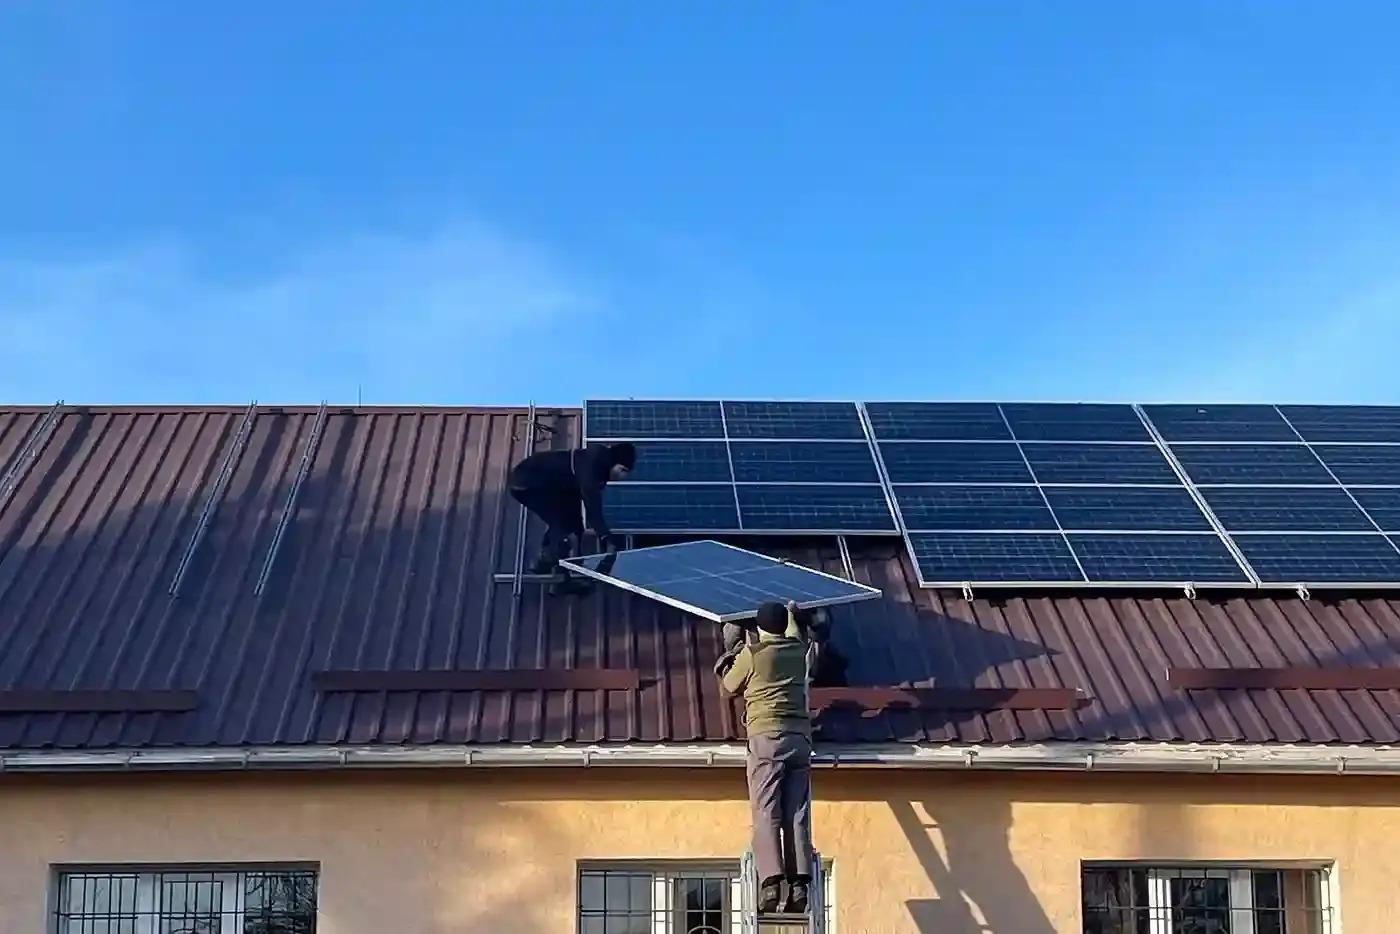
[(573, 476)]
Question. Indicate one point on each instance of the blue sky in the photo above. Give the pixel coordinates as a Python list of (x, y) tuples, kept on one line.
[(463, 203)]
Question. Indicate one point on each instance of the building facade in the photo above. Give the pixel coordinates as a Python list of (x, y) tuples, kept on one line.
[(174, 580)]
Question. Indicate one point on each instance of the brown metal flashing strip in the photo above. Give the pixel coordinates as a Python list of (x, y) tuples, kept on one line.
[(949, 698), (516, 679), (1310, 679), (97, 701)]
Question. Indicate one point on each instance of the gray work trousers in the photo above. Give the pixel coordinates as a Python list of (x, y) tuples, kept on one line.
[(780, 794)]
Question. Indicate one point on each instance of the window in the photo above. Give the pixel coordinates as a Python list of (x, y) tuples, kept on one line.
[(186, 901), (1206, 900), (671, 898)]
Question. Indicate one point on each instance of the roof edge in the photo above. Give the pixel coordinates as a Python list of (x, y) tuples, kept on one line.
[(1249, 758)]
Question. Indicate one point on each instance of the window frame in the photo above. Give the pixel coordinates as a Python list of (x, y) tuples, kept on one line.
[(1238, 874), (148, 879), (666, 872)]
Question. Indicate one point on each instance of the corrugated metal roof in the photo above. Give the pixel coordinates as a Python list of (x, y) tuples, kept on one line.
[(388, 562)]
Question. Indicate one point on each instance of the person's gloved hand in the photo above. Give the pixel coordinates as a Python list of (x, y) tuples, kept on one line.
[(733, 636), (725, 662)]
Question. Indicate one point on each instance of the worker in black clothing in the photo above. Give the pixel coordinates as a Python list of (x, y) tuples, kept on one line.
[(565, 489)]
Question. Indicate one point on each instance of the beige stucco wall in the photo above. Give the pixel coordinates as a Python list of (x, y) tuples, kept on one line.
[(479, 850)]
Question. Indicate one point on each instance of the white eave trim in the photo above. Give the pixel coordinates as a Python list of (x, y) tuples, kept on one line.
[(1098, 757)]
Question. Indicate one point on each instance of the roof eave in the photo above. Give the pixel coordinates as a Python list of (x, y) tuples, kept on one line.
[(1097, 757)]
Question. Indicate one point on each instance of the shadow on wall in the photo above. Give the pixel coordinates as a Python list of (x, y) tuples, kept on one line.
[(980, 889)]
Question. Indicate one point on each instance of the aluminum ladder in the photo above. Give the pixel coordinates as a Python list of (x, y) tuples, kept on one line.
[(813, 922)]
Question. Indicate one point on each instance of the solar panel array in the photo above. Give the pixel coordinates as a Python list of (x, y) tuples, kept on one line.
[(1307, 493), (1043, 494), (753, 467)]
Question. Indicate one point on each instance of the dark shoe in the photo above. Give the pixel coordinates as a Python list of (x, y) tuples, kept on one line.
[(571, 587), (797, 898), (768, 898)]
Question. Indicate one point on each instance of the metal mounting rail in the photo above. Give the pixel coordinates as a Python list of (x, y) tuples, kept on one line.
[(33, 447), (308, 455), (216, 495), (848, 567), (523, 524)]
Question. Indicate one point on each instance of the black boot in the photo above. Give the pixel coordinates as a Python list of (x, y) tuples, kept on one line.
[(797, 897), (571, 587), (769, 895), (546, 563)]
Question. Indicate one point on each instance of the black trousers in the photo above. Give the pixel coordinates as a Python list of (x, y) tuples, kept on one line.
[(561, 512)]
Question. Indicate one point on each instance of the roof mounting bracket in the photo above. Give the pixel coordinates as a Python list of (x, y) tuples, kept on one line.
[(522, 527), (967, 591), (848, 568), (1190, 590), (289, 508), (1303, 593), (216, 496), (33, 447)]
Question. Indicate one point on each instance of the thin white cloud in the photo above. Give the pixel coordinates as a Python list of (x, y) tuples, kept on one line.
[(387, 311), (1335, 350)]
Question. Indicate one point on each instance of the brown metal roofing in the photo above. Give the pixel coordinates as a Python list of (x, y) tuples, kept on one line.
[(386, 563)]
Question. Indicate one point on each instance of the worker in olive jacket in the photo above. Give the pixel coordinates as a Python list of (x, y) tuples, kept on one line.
[(772, 675)]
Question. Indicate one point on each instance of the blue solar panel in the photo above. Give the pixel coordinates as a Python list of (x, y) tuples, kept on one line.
[(954, 462), (1321, 559), (672, 461), (1196, 559), (972, 508), (1126, 509), (641, 419), (803, 462), (814, 508), (1285, 509), (1250, 463), (641, 507), (1219, 423), (718, 581), (1099, 463), (1382, 505), (1377, 464), (808, 420), (937, 421), (953, 558), (1074, 421), (1345, 422)]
